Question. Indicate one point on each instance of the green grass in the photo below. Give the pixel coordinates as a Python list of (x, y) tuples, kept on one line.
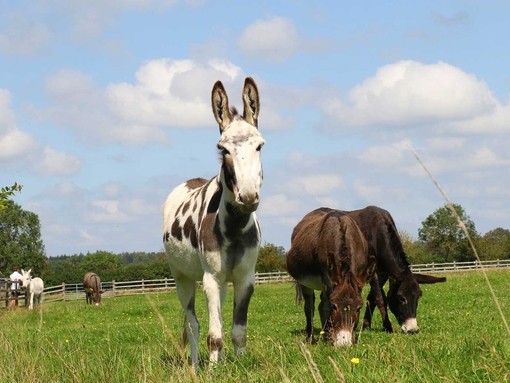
[(136, 339)]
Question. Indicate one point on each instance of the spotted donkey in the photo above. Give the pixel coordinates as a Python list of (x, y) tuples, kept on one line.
[(211, 232)]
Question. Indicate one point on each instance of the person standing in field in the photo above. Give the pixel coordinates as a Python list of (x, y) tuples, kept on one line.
[(16, 278)]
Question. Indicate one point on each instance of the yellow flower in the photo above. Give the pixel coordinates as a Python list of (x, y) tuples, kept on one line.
[(322, 332), (355, 360)]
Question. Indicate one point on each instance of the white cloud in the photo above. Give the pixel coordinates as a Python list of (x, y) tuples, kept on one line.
[(108, 211), (409, 94), (7, 119), (367, 191), (388, 155), (497, 122), (22, 36), (89, 19), (278, 205), (316, 185), (166, 94), (275, 39), (52, 162), (22, 148), (16, 144)]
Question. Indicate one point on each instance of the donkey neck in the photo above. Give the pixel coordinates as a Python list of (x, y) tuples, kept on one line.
[(233, 223)]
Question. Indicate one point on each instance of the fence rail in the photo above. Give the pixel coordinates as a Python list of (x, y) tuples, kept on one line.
[(459, 266), (75, 291)]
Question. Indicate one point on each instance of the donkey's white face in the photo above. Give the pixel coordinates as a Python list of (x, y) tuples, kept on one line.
[(26, 277), (240, 145)]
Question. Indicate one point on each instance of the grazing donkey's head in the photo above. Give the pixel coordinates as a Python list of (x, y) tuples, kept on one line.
[(239, 147)]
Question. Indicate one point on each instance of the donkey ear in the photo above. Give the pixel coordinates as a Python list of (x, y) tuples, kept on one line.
[(251, 102), (220, 107), (428, 279), (366, 275), (371, 265)]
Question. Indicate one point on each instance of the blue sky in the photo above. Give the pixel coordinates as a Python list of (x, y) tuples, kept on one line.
[(105, 107)]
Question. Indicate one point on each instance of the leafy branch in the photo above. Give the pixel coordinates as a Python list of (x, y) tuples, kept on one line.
[(8, 191)]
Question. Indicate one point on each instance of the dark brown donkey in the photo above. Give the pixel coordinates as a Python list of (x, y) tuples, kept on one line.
[(92, 287), (329, 253), (380, 231)]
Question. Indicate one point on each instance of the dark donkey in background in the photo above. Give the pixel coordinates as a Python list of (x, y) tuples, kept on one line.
[(92, 287), (384, 243), (329, 253)]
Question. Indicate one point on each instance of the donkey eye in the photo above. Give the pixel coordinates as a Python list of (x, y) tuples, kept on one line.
[(223, 151)]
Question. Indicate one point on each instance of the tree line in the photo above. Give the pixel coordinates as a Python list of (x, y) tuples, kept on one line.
[(440, 239)]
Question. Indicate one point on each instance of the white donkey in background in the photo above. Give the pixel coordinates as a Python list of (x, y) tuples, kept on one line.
[(33, 288)]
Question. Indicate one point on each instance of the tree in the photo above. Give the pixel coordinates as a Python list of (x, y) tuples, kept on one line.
[(105, 264), (495, 244), (415, 250), (271, 258), (20, 239), (8, 191), (64, 269), (442, 235)]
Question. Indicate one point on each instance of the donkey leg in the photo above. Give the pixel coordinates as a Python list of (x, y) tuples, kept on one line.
[(213, 294), (31, 305), (324, 311), (186, 294), (309, 308), (382, 304), (369, 311), (243, 290)]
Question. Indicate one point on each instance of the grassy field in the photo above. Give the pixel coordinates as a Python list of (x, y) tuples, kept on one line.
[(136, 339)]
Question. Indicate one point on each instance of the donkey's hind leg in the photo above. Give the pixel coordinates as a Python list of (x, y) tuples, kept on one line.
[(186, 292), (309, 308)]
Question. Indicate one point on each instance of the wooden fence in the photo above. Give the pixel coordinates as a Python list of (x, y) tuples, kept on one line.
[(75, 291), (459, 266), (114, 288), (6, 293)]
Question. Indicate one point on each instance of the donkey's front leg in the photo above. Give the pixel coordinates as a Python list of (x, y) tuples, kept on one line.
[(214, 293), (243, 290), (31, 305)]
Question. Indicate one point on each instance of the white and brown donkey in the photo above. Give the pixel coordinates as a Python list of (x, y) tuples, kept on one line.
[(210, 230)]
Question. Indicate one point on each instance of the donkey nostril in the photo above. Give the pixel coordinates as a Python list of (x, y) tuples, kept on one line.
[(248, 199)]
